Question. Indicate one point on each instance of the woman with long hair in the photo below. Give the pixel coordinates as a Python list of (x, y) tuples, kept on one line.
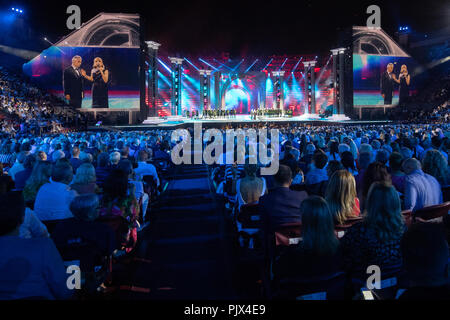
[(99, 78), (319, 251), (404, 80), (341, 196), (376, 240), (40, 175), (435, 164)]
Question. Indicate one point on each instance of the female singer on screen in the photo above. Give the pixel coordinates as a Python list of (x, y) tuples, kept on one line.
[(403, 80), (99, 76)]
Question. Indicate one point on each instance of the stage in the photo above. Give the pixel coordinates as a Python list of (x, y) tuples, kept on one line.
[(176, 122)]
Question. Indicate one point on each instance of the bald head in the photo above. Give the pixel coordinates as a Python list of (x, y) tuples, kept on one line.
[(411, 165)]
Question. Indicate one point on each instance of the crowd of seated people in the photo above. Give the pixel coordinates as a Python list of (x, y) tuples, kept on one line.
[(27, 108), (71, 188), (361, 179)]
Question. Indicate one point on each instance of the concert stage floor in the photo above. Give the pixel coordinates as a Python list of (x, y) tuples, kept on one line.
[(175, 122)]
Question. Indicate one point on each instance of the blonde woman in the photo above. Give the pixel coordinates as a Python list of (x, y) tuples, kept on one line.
[(85, 179), (341, 196), (404, 79), (100, 77)]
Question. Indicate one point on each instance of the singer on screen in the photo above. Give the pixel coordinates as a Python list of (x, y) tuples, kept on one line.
[(99, 76), (403, 80), (387, 84)]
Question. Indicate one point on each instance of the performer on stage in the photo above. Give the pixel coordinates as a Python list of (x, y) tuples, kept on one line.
[(73, 83), (404, 79), (387, 84), (99, 76)]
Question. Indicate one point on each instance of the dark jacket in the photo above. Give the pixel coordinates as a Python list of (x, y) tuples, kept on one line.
[(73, 84), (281, 205)]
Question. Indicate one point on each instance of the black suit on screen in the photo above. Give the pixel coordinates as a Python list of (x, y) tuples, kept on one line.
[(73, 86)]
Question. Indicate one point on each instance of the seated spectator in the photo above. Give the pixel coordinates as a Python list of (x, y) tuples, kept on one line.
[(425, 255), (103, 169), (114, 159), (319, 252), (84, 180), (421, 189), (75, 161), (40, 175), (144, 168), (41, 156), (318, 172), (25, 273), (341, 197), (376, 240), (139, 193), (348, 162), (397, 175), (119, 196), (83, 225), (333, 153), (119, 200), (53, 198), (57, 155), (332, 167), (6, 181), (435, 164), (18, 165), (281, 205), (382, 156), (299, 177), (375, 172), (250, 188), (22, 176)]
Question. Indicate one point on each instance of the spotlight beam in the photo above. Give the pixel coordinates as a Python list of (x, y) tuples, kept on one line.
[(191, 64), (267, 64), (283, 64), (164, 65), (238, 65), (208, 64), (223, 65), (248, 69)]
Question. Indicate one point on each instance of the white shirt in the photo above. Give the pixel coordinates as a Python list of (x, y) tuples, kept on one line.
[(146, 169)]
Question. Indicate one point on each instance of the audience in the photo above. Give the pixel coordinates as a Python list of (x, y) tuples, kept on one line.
[(425, 254), (53, 198), (31, 268), (341, 197), (375, 240), (281, 205), (84, 180), (421, 189), (319, 252)]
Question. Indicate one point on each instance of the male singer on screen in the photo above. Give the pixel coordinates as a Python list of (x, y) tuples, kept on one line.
[(73, 83), (387, 84)]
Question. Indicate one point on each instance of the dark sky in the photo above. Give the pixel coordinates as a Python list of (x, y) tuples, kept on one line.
[(243, 27)]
